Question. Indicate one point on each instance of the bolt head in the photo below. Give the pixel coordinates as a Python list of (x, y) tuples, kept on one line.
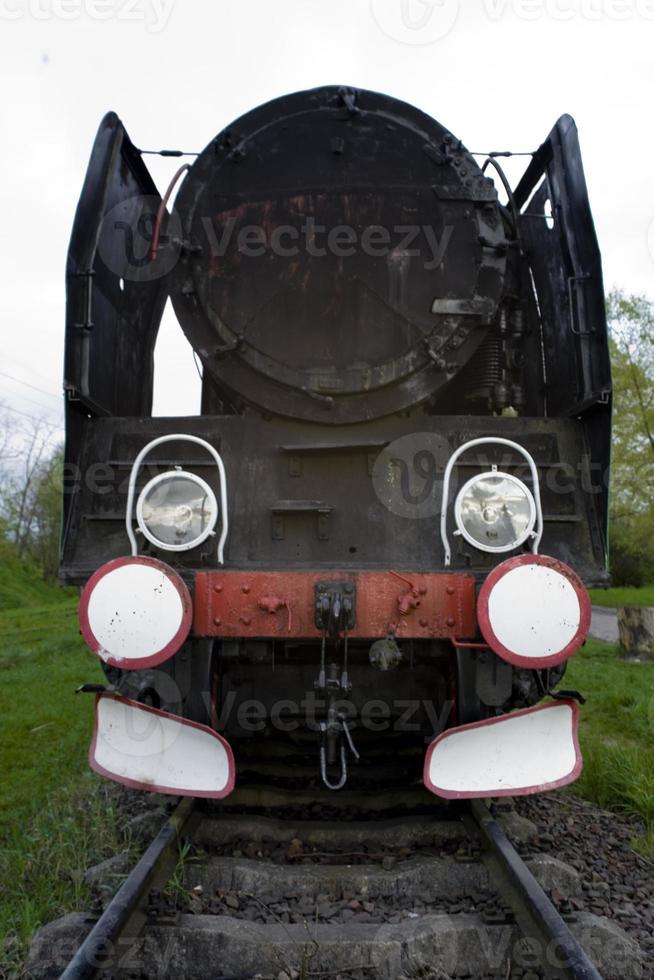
[(217, 621)]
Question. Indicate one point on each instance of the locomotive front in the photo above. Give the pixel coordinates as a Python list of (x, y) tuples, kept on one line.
[(365, 562)]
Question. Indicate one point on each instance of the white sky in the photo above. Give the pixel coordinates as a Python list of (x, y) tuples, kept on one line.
[(178, 71)]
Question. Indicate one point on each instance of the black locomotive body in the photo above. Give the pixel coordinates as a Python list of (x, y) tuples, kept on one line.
[(363, 308)]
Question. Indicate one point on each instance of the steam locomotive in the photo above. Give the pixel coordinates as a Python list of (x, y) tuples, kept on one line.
[(365, 561)]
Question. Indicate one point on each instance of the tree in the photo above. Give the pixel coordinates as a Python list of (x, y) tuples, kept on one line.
[(46, 514), (631, 325), (31, 468)]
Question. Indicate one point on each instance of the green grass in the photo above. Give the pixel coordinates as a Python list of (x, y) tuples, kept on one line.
[(43, 861), (44, 725), (623, 597), (617, 733), (56, 817), (21, 584)]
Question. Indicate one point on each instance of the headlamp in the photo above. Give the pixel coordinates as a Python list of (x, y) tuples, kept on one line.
[(495, 512), (177, 511)]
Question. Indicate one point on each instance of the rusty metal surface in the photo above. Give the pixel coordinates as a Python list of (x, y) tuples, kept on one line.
[(282, 604)]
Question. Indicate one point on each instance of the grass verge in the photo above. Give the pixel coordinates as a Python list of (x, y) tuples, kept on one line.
[(22, 584), (623, 597), (43, 862), (45, 726), (56, 817), (617, 733)]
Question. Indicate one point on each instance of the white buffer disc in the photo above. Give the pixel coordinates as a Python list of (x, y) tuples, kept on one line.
[(146, 748), (533, 611), (524, 752), (135, 612)]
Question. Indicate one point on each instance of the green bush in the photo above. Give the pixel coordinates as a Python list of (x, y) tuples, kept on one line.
[(631, 556), (630, 566)]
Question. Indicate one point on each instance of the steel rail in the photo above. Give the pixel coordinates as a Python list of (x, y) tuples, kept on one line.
[(534, 912), (125, 916)]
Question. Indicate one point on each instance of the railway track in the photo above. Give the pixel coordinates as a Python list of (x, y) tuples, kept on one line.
[(438, 893)]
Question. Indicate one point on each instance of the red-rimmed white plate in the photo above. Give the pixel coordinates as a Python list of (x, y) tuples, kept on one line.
[(533, 611), (146, 748), (135, 612), (524, 752)]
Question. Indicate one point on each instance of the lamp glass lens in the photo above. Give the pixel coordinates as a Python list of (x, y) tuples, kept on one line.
[(177, 511), (497, 512)]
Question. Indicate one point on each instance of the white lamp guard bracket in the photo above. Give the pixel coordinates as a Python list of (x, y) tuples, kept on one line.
[(538, 533), (138, 462)]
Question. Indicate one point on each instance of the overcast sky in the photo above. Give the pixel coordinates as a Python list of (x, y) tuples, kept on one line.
[(496, 72)]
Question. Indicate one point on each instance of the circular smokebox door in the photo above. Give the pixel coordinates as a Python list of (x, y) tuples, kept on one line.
[(342, 263)]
